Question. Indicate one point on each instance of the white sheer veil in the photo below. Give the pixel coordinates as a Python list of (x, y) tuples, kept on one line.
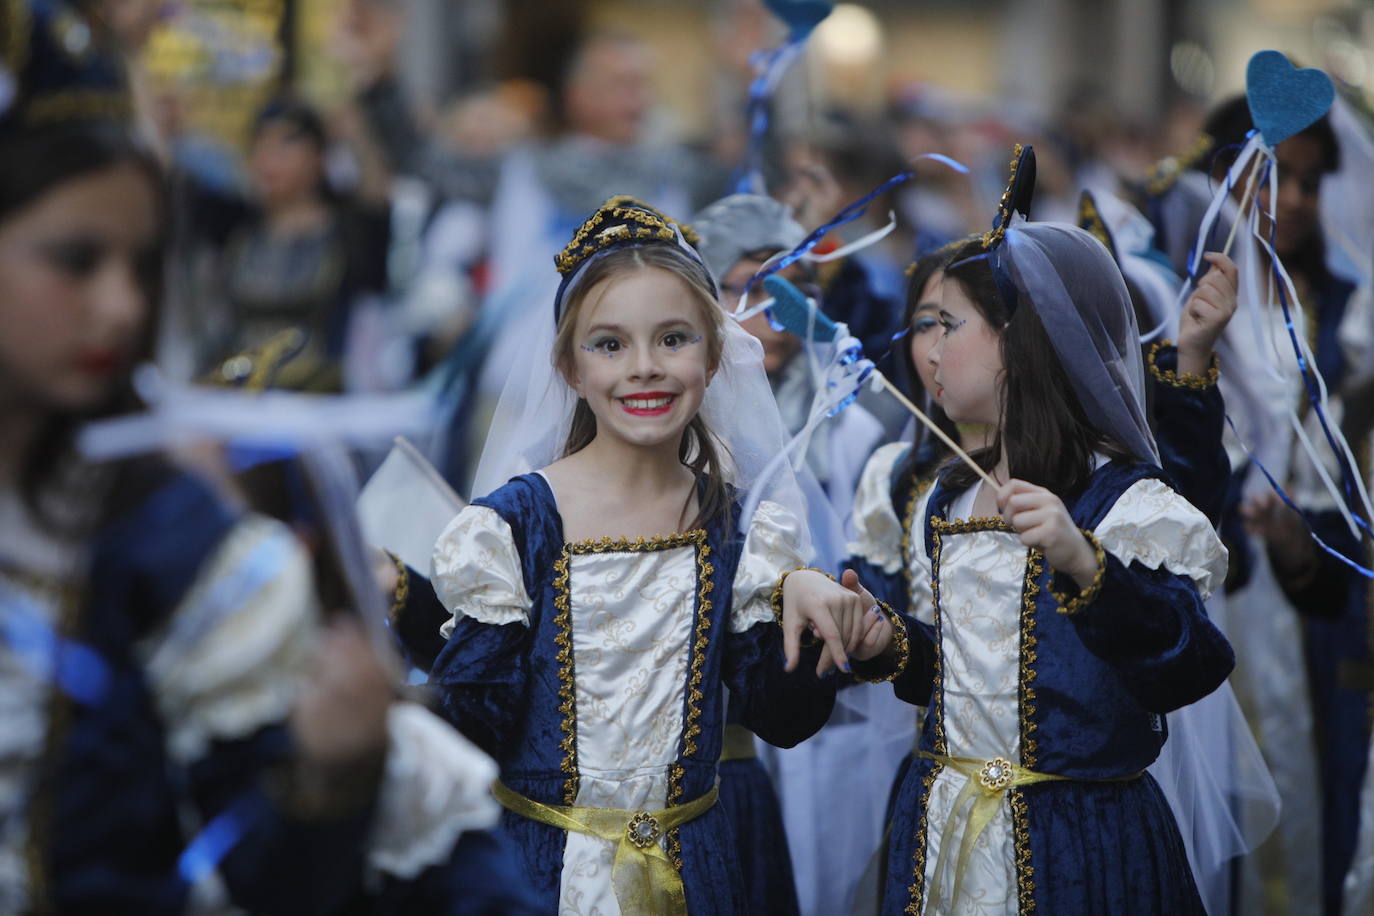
[(1210, 769), (534, 412)]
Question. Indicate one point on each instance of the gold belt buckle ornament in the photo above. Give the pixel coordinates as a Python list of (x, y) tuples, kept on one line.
[(995, 774), (643, 830)]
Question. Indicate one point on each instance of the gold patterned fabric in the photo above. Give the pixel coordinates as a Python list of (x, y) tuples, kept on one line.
[(986, 783), (644, 878)]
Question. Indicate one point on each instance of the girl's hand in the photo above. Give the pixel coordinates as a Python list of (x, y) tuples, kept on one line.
[(835, 614), (1206, 314), (877, 637), (1292, 552), (340, 718), (1044, 524)]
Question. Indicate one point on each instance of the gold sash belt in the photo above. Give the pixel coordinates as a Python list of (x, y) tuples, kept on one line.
[(644, 878), (738, 745), (987, 781)]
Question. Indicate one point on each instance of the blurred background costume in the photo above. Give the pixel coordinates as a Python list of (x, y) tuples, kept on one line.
[(157, 635)]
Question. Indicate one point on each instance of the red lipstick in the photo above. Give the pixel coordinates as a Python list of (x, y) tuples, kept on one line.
[(98, 362)]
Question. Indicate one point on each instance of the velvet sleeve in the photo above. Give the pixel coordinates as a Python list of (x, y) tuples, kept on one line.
[(480, 673), (781, 707), (282, 863), (416, 617), (1150, 625), (912, 668), (1157, 558), (480, 678), (1189, 418)]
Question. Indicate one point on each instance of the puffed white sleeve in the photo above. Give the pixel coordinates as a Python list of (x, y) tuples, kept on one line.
[(436, 786), (476, 571), (1155, 526), (232, 654), (877, 528), (770, 550)]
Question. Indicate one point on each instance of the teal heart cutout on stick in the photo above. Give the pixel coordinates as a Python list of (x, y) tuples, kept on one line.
[(801, 16), (1284, 100)]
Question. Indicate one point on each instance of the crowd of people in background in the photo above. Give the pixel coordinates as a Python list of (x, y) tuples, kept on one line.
[(373, 246)]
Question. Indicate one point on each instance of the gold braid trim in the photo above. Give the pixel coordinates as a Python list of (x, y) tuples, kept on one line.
[(1184, 379), (566, 690), (1089, 215), (694, 696), (918, 490), (808, 638), (917, 890), (77, 105), (1072, 605), (705, 585), (993, 236), (936, 696), (1030, 590), (969, 525), (1025, 872), (775, 600), (16, 41), (402, 593), (899, 639), (1165, 172), (637, 545), (641, 222), (674, 838), (562, 603)]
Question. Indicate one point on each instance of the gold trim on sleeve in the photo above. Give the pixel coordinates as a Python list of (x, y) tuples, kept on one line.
[(899, 639), (1072, 605), (1204, 382), (401, 593)]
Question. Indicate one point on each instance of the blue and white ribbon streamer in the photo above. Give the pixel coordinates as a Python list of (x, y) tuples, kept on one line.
[(77, 669)]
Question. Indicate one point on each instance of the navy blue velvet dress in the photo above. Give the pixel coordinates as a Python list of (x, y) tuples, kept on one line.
[(1018, 664), (124, 780), (592, 672), (746, 791)]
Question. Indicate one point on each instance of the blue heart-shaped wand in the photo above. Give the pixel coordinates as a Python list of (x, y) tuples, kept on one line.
[(1283, 99)]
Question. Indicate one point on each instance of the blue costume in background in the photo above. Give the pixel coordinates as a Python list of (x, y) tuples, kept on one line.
[(124, 760), (1071, 687)]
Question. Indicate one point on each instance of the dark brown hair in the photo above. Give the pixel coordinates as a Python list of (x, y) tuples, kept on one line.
[(32, 164), (699, 450), (1043, 428)]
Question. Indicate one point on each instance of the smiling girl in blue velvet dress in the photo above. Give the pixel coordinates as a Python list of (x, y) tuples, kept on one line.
[(600, 603)]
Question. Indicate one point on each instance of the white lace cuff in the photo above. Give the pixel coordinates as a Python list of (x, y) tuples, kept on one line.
[(436, 786)]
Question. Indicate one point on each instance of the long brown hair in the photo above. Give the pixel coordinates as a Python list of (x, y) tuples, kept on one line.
[(700, 451), (1048, 438), (32, 164)]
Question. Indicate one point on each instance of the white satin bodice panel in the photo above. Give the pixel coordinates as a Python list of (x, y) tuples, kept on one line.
[(981, 577), (632, 622)]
